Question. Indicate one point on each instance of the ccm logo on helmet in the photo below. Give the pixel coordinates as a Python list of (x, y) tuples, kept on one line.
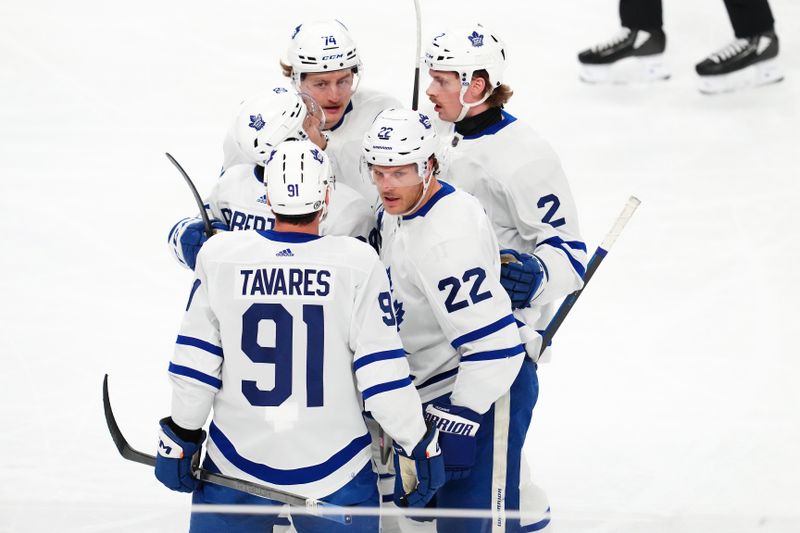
[(335, 56)]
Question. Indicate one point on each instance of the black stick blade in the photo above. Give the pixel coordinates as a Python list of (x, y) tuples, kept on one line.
[(123, 447)]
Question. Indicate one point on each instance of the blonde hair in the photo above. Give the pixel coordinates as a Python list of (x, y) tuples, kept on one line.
[(500, 95), (286, 69)]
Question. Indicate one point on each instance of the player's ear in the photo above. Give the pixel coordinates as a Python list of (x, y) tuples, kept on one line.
[(477, 87), (432, 166)]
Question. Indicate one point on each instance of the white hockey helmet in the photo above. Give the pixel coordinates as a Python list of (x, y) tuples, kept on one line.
[(464, 50), (400, 137), (298, 175), (266, 120), (321, 46)]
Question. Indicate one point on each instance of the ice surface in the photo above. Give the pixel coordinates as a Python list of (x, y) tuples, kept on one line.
[(672, 400)]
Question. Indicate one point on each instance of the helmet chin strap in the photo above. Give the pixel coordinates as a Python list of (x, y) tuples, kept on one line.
[(426, 182), (465, 107), (324, 210)]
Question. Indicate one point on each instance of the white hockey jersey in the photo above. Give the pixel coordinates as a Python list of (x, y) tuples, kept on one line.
[(239, 199), (344, 142), (520, 183), (289, 336), (454, 317)]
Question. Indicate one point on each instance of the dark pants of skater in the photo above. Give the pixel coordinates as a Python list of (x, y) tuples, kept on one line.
[(748, 17)]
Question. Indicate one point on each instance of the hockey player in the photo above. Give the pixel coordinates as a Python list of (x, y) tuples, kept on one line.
[(517, 178), (322, 61), (454, 318), (513, 172), (285, 335), (636, 52), (238, 199)]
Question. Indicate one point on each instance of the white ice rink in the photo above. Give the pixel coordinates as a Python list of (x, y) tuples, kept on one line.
[(672, 403)]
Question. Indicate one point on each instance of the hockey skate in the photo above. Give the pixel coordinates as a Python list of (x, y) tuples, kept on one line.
[(630, 56), (749, 62)]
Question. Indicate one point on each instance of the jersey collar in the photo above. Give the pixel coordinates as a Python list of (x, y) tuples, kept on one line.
[(441, 193), (498, 122), (346, 111), (287, 236), (258, 172)]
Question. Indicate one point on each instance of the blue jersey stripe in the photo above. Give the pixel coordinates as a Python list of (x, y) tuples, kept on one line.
[(377, 356), (439, 377), (558, 242), (198, 343), (291, 476), (494, 354), (180, 370), (483, 332), (385, 387), (195, 286)]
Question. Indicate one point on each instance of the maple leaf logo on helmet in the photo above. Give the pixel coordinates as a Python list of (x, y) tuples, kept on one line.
[(425, 121), (476, 39), (256, 122)]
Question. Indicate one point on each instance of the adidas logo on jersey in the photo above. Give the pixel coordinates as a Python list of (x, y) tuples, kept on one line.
[(262, 199), (285, 253)]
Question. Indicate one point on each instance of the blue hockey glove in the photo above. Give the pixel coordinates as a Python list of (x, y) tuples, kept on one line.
[(193, 238), (522, 276), (418, 477), (178, 456), (457, 427)]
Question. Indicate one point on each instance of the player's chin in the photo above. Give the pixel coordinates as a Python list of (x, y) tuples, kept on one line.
[(392, 205), (443, 114), (333, 114)]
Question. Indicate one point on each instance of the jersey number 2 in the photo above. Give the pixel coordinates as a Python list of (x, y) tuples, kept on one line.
[(548, 217), (280, 355)]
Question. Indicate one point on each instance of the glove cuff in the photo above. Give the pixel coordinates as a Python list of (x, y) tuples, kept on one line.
[(187, 435), (454, 419)]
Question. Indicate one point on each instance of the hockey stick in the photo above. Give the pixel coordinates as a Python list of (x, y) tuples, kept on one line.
[(203, 214), (384, 440), (597, 258), (415, 97), (131, 454)]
